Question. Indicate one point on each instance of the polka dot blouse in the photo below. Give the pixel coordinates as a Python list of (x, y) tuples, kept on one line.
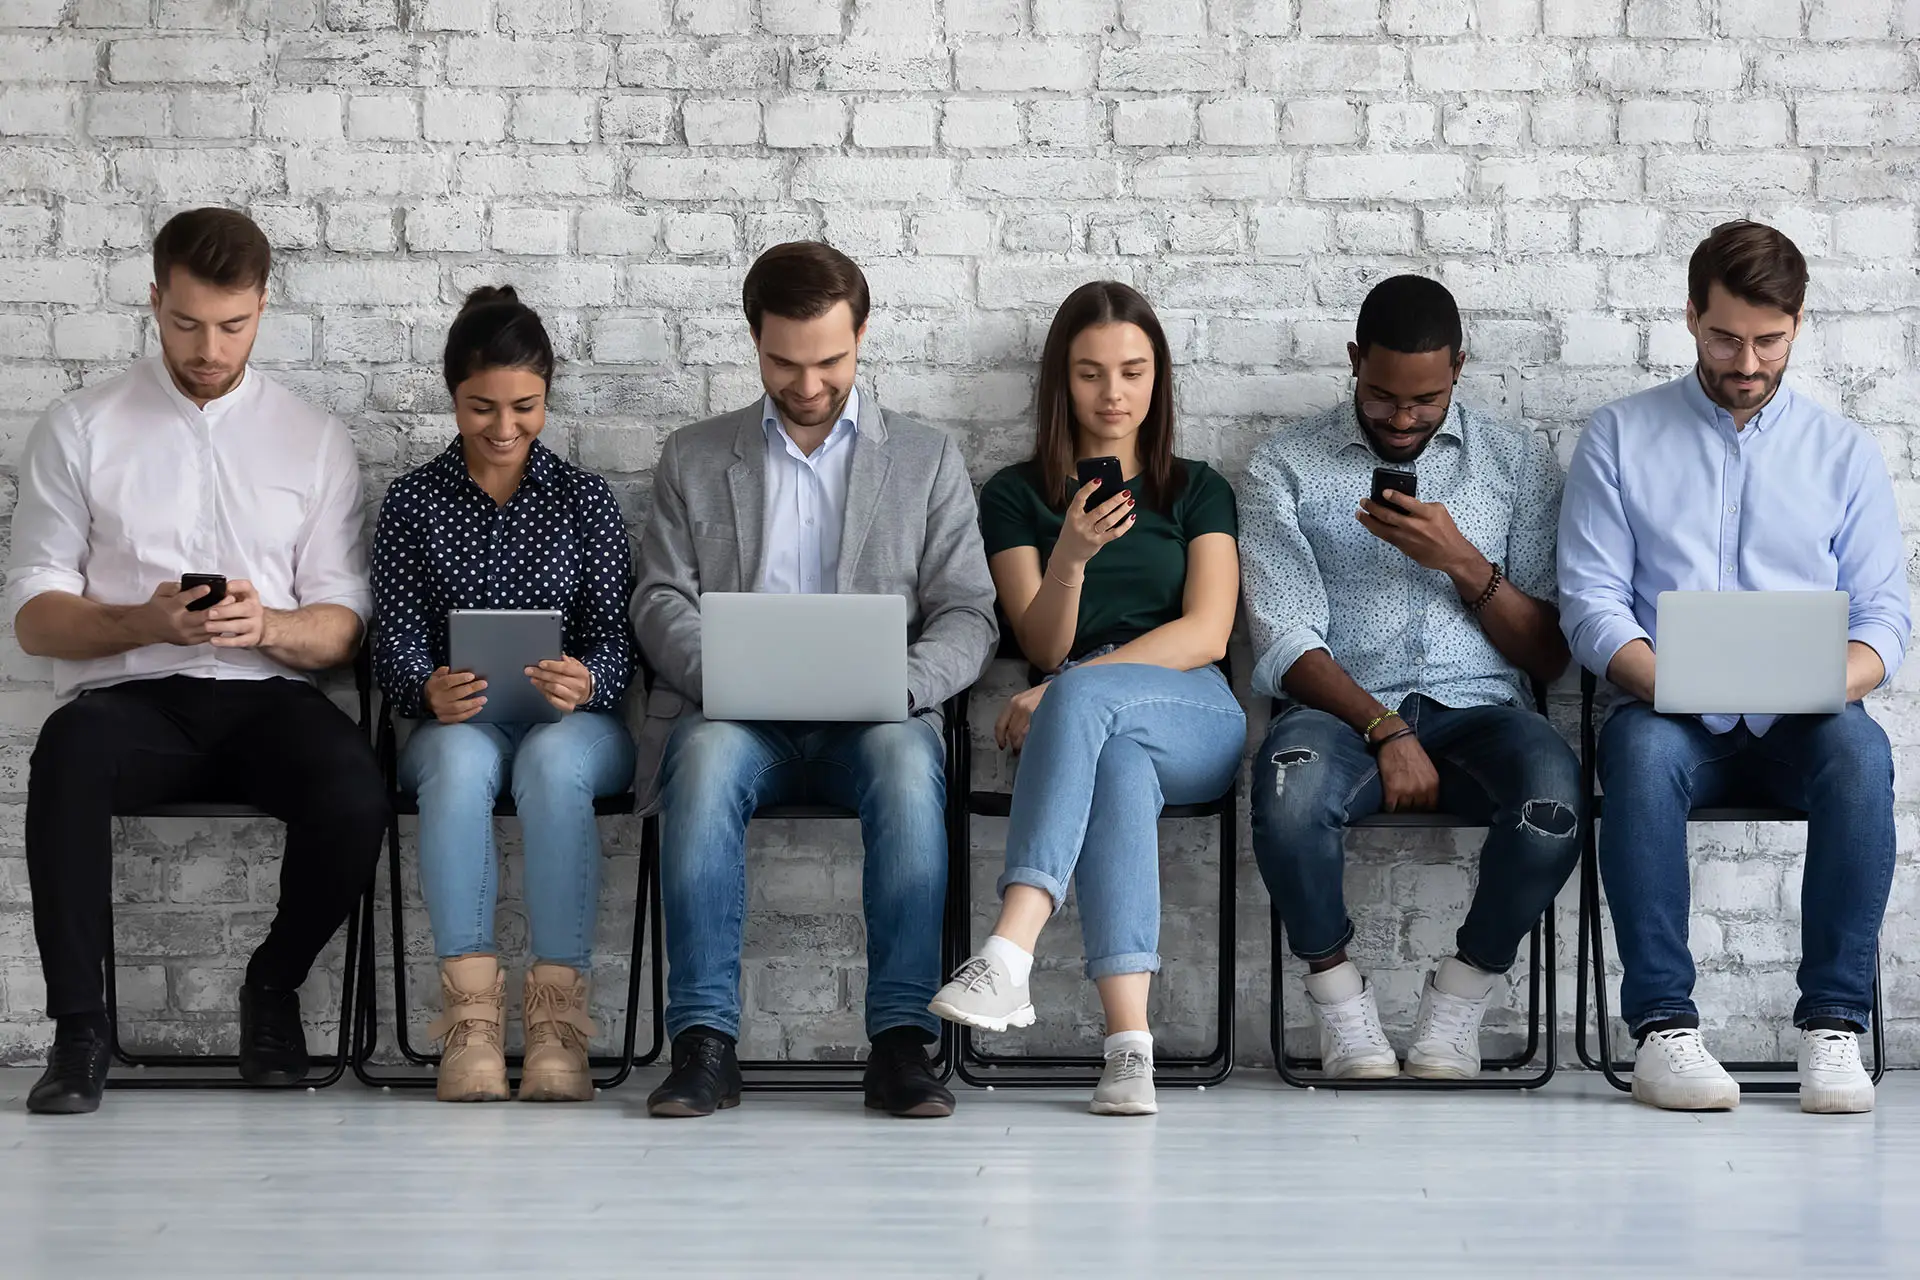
[(443, 544)]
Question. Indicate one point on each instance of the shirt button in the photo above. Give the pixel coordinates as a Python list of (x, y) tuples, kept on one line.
[(1733, 510)]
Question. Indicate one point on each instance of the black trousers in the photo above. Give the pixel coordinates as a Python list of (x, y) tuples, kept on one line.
[(278, 745)]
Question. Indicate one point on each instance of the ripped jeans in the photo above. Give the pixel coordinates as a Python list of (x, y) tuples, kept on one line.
[(1502, 765)]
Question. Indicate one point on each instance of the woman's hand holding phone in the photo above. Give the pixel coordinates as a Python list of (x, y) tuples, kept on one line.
[(1085, 532)]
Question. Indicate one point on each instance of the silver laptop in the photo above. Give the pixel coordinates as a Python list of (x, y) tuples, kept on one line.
[(1751, 652), (803, 657)]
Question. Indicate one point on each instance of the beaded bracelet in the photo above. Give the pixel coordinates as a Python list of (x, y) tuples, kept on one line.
[(1377, 721), (1486, 597)]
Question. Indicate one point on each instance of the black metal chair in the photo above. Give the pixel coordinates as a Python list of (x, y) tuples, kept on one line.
[(366, 1038), (333, 1066), (982, 1069), (1593, 943), (1542, 989)]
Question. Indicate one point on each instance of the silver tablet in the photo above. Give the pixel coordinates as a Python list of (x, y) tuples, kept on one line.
[(498, 645)]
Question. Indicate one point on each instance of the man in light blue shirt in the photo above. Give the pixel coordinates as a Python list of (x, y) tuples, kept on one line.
[(806, 501), (1727, 480), (1404, 632)]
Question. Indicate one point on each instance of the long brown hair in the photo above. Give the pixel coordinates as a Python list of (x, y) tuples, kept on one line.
[(1057, 429)]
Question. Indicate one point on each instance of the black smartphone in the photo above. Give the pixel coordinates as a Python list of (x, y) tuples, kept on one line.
[(218, 583), (1385, 478), (1107, 472)]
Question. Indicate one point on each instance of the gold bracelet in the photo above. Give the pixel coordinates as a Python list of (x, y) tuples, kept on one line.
[(1376, 722), (1071, 586)]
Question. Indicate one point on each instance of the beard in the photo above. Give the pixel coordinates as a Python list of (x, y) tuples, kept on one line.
[(1727, 390), (823, 417), (203, 384)]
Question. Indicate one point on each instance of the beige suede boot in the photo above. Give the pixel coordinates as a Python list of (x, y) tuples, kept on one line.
[(558, 1033), (473, 1063)]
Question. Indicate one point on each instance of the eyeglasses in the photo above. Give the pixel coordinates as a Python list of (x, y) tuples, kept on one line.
[(1767, 350), (1383, 411)]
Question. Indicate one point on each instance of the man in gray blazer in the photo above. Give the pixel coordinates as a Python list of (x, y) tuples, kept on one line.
[(813, 489)]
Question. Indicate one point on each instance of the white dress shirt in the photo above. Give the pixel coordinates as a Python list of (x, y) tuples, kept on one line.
[(806, 504), (129, 484)]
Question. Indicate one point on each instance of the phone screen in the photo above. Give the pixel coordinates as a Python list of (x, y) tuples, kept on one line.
[(217, 582), (1107, 472)]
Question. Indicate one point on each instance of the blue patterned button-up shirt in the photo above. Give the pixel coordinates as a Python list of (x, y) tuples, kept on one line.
[(1315, 578)]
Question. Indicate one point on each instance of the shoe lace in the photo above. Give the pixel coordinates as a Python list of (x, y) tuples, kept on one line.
[(976, 975), (1353, 1031), (553, 1015), (705, 1053), (1834, 1051), (1128, 1064), (1684, 1048), (1454, 1020), (466, 1031), (72, 1057)]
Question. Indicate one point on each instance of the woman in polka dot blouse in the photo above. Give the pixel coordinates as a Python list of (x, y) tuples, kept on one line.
[(498, 521)]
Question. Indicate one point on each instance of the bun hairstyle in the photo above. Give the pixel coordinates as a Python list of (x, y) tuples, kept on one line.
[(495, 330)]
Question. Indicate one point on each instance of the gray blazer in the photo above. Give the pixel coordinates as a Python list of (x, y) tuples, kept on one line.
[(912, 529)]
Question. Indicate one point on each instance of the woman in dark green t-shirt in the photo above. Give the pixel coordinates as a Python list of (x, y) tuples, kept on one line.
[(1128, 606)]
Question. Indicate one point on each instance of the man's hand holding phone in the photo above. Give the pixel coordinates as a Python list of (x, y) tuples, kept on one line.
[(1423, 531), (240, 620), (174, 616)]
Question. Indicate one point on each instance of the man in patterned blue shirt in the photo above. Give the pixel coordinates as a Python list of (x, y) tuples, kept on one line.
[(1402, 633)]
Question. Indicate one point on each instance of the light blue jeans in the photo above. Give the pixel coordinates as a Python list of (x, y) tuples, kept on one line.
[(1108, 746), (554, 771)]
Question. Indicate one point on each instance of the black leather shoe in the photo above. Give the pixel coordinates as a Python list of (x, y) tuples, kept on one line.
[(76, 1075), (705, 1076), (900, 1079), (273, 1044)]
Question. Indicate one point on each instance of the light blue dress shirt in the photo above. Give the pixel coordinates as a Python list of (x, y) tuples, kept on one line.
[(806, 504), (1315, 578), (1665, 495)]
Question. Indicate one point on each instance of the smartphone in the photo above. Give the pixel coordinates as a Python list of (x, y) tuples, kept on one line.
[(218, 581), (1385, 478), (1107, 472)]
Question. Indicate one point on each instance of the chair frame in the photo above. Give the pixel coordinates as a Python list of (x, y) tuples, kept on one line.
[(366, 1035), (335, 1064), (1542, 1014), (1591, 968), (982, 1069)]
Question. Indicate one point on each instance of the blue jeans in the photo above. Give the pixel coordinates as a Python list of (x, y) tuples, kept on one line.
[(716, 773), (1109, 745), (554, 771), (1504, 766), (1839, 769)]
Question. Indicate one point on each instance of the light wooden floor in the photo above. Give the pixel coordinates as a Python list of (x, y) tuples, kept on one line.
[(1250, 1179)]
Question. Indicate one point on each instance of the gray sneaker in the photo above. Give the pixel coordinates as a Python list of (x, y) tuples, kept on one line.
[(1126, 1086), (982, 995)]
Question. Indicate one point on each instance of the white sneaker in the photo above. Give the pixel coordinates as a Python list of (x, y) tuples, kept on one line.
[(1674, 1071), (1126, 1086), (983, 994), (1353, 1045), (1446, 1037), (1832, 1080)]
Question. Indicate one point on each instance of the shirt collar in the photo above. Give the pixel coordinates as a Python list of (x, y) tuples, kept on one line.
[(242, 392), (1774, 411), (848, 421), (1354, 436)]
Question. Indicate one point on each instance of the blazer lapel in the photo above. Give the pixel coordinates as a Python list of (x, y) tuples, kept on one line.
[(747, 482), (864, 486)]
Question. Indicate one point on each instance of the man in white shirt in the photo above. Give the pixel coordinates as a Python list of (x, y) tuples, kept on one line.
[(192, 463)]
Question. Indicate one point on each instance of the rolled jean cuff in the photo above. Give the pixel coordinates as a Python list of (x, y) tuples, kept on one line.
[(676, 1023), (1036, 879), (1475, 959), (1862, 1018), (1126, 962), (1668, 1014), (1321, 953)]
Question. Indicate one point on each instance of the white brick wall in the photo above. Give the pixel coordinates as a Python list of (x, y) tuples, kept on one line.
[(1253, 164)]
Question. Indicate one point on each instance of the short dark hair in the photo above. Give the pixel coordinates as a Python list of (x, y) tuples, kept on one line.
[(803, 280), (220, 246), (495, 330), (1410, 314), (1751, 261)]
